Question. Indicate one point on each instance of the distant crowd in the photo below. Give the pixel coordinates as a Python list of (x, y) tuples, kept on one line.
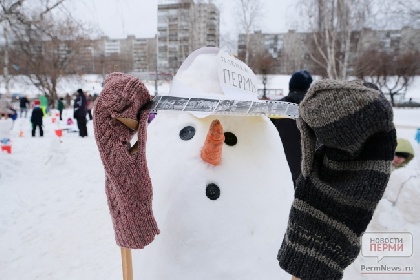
[(81, 103)]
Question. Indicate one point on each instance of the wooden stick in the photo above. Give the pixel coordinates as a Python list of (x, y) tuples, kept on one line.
[(127, 265), (295, 278)]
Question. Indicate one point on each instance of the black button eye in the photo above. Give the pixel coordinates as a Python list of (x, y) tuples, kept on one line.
[(187, 133), (230, 139), (212, 191)]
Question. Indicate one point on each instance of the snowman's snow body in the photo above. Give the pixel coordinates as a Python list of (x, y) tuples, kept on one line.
[(235, 235)]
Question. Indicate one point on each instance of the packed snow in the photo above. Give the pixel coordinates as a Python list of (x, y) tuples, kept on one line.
[(55, 223)]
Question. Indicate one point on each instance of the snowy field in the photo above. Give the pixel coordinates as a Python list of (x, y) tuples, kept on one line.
[(92, 84), (54, 220)]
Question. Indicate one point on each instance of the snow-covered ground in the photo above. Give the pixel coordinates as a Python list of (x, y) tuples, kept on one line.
[(54, 220), (93, 84)]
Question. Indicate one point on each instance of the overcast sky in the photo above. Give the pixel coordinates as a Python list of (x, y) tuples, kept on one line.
[(119, 18)]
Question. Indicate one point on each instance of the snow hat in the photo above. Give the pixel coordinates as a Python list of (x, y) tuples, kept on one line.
[(342, 181), (404, 149), (37, 102), (198, 73), (207, 73), (79, 91), (300, 81), (119, 113)]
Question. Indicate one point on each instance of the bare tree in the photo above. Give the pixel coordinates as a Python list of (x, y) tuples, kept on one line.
[(14, 13), (332, 23), (392, 73), (48, 50), (263, 63), (248, 14), (228, 42), (116, 63), (397, 13)]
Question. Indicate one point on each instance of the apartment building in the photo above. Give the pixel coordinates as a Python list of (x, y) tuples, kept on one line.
[(184, 26), (129, 54), (290, 50)]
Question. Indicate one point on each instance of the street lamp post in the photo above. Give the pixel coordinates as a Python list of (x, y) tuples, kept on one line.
[(264, 81)]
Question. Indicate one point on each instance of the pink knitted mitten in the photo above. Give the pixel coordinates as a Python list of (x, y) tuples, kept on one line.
[(128, 185)]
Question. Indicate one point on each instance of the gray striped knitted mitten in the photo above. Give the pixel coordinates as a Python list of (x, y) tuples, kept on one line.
[(342, 180), (128, 185)]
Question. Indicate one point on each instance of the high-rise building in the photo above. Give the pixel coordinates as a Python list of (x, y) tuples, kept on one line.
[(184, 26), (206, 24)]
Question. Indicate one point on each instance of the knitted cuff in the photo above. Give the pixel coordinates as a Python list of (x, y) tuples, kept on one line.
[(304, 262), (128, 184), (132, 218), (317, 245)]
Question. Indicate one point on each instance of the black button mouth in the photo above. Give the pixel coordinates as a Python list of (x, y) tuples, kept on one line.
[(212, 191)]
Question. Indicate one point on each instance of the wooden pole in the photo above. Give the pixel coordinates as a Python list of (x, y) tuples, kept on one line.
[(127, 265)]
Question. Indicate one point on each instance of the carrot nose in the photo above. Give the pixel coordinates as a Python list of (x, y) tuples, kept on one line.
[(212, 149)]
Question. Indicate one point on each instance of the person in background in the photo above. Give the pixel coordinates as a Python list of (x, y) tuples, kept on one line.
[(402, 190), (60, 107), (404, 153), (23, 103), (288, 131), (68, 100), (36, 118), (80, 111), (90, 106), (43, 103)]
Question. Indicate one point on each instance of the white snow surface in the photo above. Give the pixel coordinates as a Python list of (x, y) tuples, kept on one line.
[(92, 84), (55, 223)]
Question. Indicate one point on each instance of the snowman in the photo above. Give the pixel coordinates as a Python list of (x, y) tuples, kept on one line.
[(221, 186)]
